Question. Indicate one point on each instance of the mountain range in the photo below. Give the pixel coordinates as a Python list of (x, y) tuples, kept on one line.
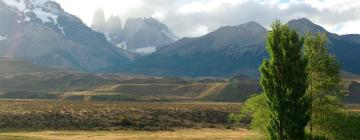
[(237, 50), (228, 50), (43, 33)]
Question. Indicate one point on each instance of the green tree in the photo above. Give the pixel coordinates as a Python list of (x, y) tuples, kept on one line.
[(324, 79), (256, 112), (284, 82)]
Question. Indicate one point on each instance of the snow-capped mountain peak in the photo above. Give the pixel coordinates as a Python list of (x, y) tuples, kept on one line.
[(44, 10), (43, 33)]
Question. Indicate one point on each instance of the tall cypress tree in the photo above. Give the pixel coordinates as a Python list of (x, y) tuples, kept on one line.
[(284, 82)]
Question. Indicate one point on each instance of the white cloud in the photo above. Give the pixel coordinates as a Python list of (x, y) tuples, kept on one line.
[(85, 8), (206, 6), (351, 27), (338, 5), (200, 30), (159, 15)]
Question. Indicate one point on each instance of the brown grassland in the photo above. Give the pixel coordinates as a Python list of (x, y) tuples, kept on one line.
[(68, 115), (65, 120), (68, 120), (181, 134)]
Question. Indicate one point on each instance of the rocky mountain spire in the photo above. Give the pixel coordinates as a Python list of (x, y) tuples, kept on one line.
[(99, 21)]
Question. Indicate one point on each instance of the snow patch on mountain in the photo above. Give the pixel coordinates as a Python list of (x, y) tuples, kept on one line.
[(62, 30), (45, 17), (146, 50), (2, 38), (38, 8), (122, 45)]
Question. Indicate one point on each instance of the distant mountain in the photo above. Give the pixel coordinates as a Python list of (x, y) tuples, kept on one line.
[(304, 25), (114, 30), (140, 35), (355, 38), (111, 28), (228, 50), (236, 50), (40, 31), (345, 47), (99, 22)]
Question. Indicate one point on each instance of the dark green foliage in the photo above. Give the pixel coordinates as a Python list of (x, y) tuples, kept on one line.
[(284, 82), (339, 125)]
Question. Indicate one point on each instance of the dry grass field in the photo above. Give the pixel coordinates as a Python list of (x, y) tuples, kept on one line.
[(65, 120), (70, 115), (183, 134)]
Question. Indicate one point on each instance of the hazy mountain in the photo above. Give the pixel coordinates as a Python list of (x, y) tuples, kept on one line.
[(228, 50), (355, 38), (114, 30), (144, 35), (99, 22), (42, 32), (139, 35), (111, 27)]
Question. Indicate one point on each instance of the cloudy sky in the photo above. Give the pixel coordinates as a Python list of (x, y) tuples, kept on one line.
[(198, 17)]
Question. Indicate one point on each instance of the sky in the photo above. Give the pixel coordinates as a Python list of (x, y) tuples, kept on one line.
[(189, 18)]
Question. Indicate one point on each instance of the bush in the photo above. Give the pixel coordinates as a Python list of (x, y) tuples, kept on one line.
[(254, 112)]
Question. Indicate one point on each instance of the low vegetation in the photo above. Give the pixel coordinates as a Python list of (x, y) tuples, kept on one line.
[(343, 124), (64, 115), (180, 134)]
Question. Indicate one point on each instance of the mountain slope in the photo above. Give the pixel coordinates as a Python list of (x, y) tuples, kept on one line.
[(146, 32), (228, 50), (345, 47), (42, 32)]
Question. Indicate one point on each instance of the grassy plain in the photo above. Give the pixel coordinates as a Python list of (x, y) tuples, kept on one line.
[(67, 120), (181, 134), (70, 115)]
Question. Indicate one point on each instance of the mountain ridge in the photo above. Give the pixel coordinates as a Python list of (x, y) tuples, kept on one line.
[(236, 49), (220, 51)]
